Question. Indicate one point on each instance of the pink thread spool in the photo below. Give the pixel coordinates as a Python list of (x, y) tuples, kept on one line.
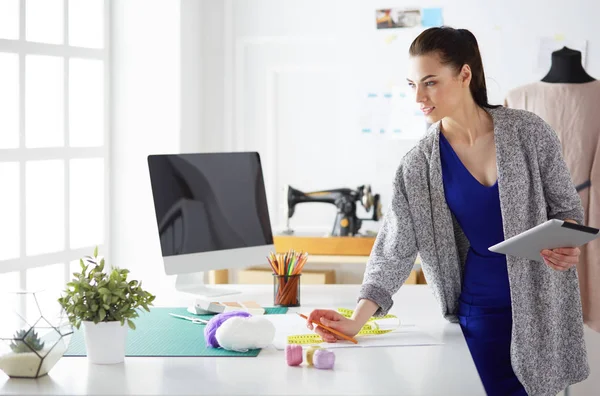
[(323, 359), (293, 354)]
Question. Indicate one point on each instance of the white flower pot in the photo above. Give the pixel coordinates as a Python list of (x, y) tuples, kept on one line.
[(105, 342)]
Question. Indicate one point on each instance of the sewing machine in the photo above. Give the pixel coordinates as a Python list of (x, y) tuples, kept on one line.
[(346, 222)]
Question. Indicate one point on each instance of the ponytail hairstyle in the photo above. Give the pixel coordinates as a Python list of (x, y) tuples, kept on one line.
[(455, 47)]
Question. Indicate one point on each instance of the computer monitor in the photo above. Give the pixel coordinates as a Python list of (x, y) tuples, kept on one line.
[(211, 212)]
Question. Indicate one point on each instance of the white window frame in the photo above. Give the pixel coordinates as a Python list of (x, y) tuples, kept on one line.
[(22, 48)]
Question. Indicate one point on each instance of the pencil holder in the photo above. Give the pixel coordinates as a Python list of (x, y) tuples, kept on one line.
[(286, 290)]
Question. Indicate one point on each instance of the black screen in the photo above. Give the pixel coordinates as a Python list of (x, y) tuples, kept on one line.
[(209, 201)]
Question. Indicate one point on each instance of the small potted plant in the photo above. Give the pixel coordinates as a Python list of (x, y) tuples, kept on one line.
[(103, 302), (25, 359), (34, 333), (26, 341)]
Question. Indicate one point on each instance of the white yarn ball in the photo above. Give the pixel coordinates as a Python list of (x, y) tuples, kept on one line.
[(243, 333)]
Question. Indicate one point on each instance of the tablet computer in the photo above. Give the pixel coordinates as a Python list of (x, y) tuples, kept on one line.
[(549, 235)]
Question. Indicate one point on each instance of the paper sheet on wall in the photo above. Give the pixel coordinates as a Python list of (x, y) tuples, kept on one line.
[(548, 45), (368, 106), (383, 112), (376, 107), (391, 112), (391, 18), (431, 17), (406, 120), (405, 335)]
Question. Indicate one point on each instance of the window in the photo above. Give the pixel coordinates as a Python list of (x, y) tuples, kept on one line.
[(53, 139)]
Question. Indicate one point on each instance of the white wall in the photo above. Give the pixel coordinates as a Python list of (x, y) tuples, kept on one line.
[(192, 33), (146, 119)]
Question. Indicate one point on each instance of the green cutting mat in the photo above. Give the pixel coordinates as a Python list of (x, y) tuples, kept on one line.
[(159, 334)]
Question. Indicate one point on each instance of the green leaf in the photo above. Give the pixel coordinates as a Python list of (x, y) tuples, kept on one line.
[(96, 252), (114, 275), (104, 291), (101, 314), (82, 265), (130, 324)]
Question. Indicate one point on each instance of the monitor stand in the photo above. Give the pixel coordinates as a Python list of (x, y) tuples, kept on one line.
[(194, 284)]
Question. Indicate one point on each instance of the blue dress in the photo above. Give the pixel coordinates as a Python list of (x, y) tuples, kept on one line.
[(484, 314)]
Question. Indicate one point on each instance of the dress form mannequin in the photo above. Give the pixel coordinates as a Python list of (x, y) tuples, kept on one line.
[(567, 99), (567, 68)]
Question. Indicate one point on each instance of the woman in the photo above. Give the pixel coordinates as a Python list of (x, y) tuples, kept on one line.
[(482, 174)]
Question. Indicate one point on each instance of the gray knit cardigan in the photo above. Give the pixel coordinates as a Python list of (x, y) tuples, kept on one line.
[(547, 349)]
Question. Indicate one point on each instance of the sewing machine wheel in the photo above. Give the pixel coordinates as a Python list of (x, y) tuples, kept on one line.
[(378, 210), (367, 197)]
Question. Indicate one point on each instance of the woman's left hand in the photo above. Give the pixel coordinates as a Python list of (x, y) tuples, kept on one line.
[(561, 259)]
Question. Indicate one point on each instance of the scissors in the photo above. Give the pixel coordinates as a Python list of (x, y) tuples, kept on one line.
[(193, 320)]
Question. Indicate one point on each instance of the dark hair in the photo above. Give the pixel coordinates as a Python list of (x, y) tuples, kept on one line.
[(455, 47)]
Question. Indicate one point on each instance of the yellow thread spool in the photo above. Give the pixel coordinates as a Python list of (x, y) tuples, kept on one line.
[(310, 352)]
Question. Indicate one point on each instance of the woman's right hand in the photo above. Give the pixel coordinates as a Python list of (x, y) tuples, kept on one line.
[(334, 320)]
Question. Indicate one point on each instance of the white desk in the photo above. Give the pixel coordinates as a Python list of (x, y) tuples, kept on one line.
[(430, 370)]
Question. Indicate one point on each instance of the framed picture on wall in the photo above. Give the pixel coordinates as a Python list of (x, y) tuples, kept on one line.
[(391, 18)]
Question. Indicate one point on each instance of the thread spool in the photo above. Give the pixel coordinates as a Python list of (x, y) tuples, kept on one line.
[(293, 354), (324, 359), (210, 330), (242, 334), (310, 352)]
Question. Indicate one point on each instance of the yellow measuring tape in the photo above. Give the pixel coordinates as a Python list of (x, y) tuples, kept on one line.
[(370, 328)]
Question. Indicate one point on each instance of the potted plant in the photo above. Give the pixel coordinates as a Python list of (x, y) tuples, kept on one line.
[(103, 302)]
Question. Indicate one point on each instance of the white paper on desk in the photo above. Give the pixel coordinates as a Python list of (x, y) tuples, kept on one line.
[(406, 335)]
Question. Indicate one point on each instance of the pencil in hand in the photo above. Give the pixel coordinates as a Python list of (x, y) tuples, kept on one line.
[(344, 336)]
